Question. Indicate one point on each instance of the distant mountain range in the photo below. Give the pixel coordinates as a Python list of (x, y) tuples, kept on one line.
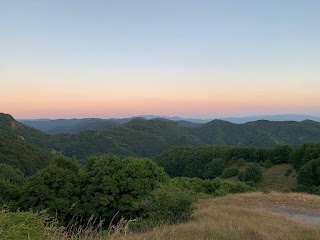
[(142, 137), (79, 125), (281, 117)]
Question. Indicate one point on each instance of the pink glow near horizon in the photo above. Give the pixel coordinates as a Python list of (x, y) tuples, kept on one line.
[(62, 108)]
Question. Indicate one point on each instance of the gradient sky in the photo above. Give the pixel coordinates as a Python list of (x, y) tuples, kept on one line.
[(206, 59)]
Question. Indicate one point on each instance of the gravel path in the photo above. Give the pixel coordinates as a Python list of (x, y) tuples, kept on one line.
[(306, 216)]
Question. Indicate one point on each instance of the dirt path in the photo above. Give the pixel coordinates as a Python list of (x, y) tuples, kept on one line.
[(306, 216)]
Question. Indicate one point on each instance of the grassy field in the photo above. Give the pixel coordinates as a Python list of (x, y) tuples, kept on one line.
[(273, 178), (241, 216)]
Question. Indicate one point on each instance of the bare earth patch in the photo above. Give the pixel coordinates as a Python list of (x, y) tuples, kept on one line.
[(306, 216)]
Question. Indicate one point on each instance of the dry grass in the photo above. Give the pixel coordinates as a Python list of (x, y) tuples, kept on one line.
[(241, 216)]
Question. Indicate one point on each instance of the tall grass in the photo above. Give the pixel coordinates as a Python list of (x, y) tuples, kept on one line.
[(239, 216), (242, 217)]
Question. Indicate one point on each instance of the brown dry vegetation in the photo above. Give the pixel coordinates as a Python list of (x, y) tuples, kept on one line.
[(238, 217), (241, 216)]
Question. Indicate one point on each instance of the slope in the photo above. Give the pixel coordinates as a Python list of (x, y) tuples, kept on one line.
[(19, 154), (16, 129)]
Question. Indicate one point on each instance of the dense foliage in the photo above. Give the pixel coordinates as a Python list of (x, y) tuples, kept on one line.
[(135, 138), (19, 154), (55, 188), (109, 187), (309, 177), (210, 161), (146, 138), (26, 225), (141, 137), (252, 174), (15, 129), (305, 153), (216, 187), (112, 185)]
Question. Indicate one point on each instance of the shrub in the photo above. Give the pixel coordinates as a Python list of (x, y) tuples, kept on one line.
[(113, 185), (194, 185), (309, 174), (213, 169), (267, 164), (14, 175), (229, 172), (241, 162), (26, 225), (167, 203), (224, 187), (55, 188), (9, 194), (252, 173)]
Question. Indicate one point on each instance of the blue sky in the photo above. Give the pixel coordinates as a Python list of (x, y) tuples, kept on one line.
[(189, 58)]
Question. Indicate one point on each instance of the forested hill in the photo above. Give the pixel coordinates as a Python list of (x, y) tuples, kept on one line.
[(73, 125), (258, 133), (16, 129), (138, 137), (17, 153), (141, 137), (23, 147)]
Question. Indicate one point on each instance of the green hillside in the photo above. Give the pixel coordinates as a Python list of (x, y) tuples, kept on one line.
[(19, 154), (139, 137), (73, 125), (258, 133), (16, 129)]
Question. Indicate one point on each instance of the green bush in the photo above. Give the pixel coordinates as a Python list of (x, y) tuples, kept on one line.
[(113, 185), (241, 162), (14, 175), (195, 185), (167, 203), (267, 164), (26, 225), (224, 187), (309, 174), (213, 169), (55, 188), (216, 187), (252, 173), (9, 194), (230, 172)]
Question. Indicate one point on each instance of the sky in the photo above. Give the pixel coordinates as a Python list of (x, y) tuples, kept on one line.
[(204, 59)]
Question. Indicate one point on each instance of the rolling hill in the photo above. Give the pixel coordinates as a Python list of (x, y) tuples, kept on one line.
[(138, 137), (23, 147), (19, 154), (16, 129), (142, 137), (73, 125)]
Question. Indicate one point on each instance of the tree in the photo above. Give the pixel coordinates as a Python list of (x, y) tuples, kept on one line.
[(309, 174), (55, 188), (252, 173), (214, 168), (13, 175), (114, 185)]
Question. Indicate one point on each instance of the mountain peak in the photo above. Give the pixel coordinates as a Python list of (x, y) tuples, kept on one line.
[(6, 118)]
